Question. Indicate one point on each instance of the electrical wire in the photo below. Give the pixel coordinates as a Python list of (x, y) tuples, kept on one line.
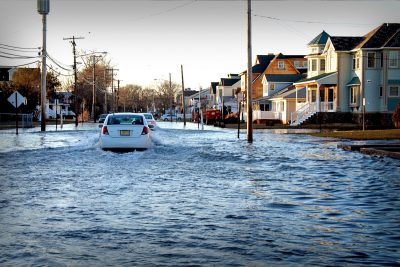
[(26, 64), (59, 73), (58, 63), (313, 22), (18, 47)]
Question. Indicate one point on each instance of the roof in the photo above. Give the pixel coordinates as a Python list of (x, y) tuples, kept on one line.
[(228, 81), (341, 43), (290, 78), (316, 78), (380, 36), (394, 41), (321, 39), (265, 59), (291, 93), (214, 87), (281, 56), (354, 81)]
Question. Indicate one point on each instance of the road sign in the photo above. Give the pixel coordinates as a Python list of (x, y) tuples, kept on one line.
[(16, 99)]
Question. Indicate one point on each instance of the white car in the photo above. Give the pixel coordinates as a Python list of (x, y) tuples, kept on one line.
[(125, 131), (150, 120)]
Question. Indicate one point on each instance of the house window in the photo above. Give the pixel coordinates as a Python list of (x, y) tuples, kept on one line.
[(271, 86), (354, 95), (305, 64), (370, 60), (394, 91), (393, 59), (380, 91), (281, 65), (322, 65), (314, 65), (356, 62), (297, 64)]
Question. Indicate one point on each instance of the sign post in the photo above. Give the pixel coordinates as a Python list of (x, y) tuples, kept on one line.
[(16, 99)]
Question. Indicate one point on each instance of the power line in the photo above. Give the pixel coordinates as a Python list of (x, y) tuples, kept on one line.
[(58, 63), (18, 50), (16, 66), (313, 22), (18, 57), (18, 47)]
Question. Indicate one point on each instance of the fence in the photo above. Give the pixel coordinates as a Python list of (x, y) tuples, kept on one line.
[(24, 120)]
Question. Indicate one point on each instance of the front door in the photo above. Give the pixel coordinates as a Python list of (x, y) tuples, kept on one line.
[(329, 98)]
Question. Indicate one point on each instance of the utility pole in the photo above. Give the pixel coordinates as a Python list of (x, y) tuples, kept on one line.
[(170, 91), (249, 77), (183, 98), (73, 38), (117, 93), (105, 91), (112, 102), (43, 8), (94, 88)]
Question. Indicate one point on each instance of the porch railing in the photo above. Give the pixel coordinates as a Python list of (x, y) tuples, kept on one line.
[(266, 115), (302, 114)]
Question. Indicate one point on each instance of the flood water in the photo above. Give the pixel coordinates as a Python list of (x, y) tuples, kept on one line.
[(196, 198)]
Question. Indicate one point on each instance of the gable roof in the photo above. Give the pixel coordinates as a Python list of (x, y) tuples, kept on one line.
[(379, 37), (320, 39), (228, 81), (265, 59), (345, 43), (213, 87), (394, 41)]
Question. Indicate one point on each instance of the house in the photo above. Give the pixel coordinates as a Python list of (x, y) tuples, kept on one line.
[(261, 63), (280, 72), (213, 95), (203, 95), (350, 78), (226, 92), (188, 93)]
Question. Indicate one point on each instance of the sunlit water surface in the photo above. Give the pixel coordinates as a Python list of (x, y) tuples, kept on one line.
[(195, 198)]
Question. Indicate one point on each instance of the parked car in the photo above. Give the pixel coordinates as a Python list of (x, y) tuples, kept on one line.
[(102, 118), (167, 117), (150, 120), (125, 131)]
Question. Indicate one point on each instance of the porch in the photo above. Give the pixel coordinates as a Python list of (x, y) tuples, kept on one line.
[(321, 96)]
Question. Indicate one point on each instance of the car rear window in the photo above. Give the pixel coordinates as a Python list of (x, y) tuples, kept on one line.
[(125, 119)]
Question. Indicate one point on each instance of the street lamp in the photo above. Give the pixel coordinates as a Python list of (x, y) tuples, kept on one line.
[(43, 8)]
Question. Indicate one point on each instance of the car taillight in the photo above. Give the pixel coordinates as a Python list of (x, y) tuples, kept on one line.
[(145, 130), (104, 130)]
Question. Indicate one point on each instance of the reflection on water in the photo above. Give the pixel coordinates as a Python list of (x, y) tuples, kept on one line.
[(196, 198)]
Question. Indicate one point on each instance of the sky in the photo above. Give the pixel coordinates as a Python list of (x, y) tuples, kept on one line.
[(147, 40)]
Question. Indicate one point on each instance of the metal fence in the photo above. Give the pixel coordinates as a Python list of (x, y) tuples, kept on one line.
[(24, 120)]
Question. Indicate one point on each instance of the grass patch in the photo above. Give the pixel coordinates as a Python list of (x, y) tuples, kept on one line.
[(362, 135)]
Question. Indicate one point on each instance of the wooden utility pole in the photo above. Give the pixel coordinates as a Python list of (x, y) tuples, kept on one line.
[(171, 100), (73, 38), (249, 77), (183, 98)]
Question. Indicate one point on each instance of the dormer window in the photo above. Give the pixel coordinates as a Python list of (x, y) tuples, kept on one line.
[(281, 65)]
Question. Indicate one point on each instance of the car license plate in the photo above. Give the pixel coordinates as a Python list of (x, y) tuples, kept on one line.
[(124, 133)]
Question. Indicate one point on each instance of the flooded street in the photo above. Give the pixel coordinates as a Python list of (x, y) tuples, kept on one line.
[(198, 198)]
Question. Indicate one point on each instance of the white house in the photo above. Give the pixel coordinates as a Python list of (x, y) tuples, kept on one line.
[(353, 74)]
